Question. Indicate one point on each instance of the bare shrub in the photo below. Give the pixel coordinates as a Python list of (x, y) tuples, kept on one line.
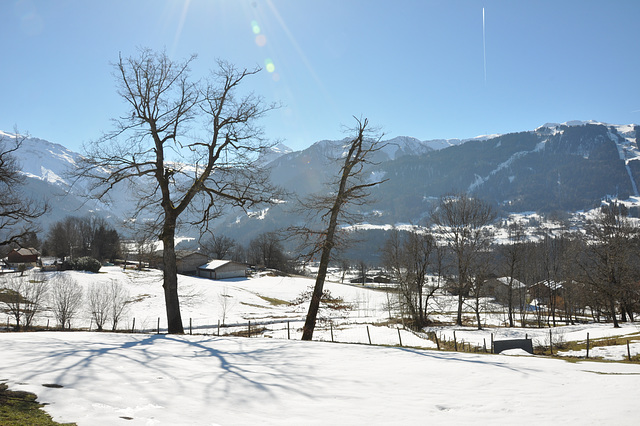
[(99, 300), (226, 302), (330, 307), (66, 299), (24, 297), (118, 302)]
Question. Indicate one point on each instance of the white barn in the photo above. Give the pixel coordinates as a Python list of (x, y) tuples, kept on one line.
[(221, 269)]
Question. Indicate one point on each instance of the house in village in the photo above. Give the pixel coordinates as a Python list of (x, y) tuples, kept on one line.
[(499, 288), (222, 269), (548, 292), (23, 256), (187, 261)]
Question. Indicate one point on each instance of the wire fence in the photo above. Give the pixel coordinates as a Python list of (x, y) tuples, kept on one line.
[(348, 332)]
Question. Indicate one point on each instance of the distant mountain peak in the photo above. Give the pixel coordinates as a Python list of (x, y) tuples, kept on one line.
[(273, 153), (44, 160)]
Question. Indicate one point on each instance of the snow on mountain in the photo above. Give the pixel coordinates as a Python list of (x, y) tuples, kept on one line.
[(44, 160), (273, 153)]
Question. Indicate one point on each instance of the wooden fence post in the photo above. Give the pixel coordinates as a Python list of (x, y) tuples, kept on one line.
[(190, 326), (368, 334), (249, 329), (400, 337), (288, 331), (47, 324), (435, 335), (587, 345), (628, 351), (331, 327), (491, 342), (158, 325), (133, 326), (218, 328), (551, 341), (455, 341)]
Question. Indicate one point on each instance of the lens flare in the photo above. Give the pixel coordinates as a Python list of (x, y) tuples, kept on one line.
[(255, 27), (261, 40), (269, 66)]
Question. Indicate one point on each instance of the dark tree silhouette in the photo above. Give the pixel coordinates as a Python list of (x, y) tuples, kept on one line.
[(350, 189), (189, 147)]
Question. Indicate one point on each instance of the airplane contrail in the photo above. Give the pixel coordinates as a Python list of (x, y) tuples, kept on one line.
[(484, 48)]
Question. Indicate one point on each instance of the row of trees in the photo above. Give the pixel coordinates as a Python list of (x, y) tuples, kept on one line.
[(26, 297), (593, 271), (82, 236)]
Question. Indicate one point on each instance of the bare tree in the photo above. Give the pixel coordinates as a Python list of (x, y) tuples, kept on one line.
[(266, 250), (409, 260), (480, 272), (190, 148), (512, 258), (352, 188), (610, 256), (118, 302), (141, 246), (17, 211), (226, 303), (462, 221), (99, 303), (66, 298), (24, 297), (219, 246)]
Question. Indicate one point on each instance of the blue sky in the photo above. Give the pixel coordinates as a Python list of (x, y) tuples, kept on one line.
[(413, 67)]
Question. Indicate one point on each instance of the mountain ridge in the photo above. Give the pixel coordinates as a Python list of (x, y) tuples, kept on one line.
[(569, 166)]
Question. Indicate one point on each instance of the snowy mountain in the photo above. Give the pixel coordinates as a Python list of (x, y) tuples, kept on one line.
[(46, 161), (570, 166)]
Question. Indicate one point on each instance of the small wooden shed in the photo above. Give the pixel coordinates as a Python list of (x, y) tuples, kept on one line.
[(222, 269)]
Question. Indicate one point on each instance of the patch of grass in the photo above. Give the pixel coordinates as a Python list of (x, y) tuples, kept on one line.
[(253, 305), (138, 298), (273, 301), (11, 296), (20, 408)]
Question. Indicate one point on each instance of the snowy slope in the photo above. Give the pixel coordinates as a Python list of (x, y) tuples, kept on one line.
[(44, 160), (128, 379), (142, 379)]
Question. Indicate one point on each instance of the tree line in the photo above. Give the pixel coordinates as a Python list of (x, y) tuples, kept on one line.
[(567, 275)]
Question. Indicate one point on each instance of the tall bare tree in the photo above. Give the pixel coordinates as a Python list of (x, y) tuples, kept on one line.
[(352, 188), (17, 211), (511, 257), (610, 257), (462, 221), (189, 147), (410, 260), (219, 246)]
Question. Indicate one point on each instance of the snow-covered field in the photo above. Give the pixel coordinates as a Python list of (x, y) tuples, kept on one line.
[(137, 379), (206, 379)]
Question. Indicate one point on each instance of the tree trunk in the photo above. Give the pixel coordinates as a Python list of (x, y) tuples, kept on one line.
[(460, 301), (314, 305), (510, 302), (612, 306), (170, 281)]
